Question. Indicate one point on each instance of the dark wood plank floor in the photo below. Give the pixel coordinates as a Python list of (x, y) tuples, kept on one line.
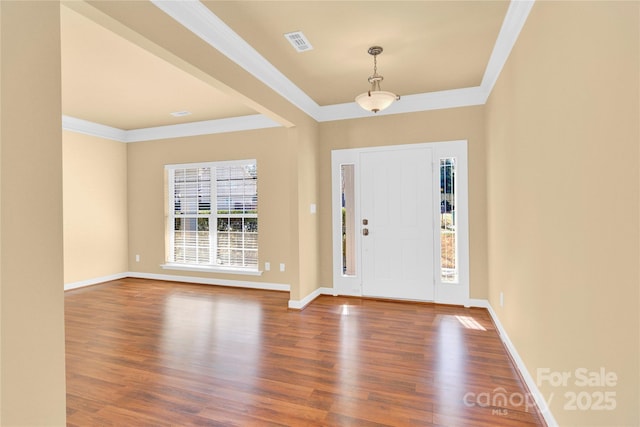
[(142, 352)]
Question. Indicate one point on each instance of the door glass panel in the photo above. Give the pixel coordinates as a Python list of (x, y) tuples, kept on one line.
[(347, 202), (448, 236)]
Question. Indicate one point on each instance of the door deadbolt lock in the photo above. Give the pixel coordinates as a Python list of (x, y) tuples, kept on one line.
[(365, 221), (365, 231)]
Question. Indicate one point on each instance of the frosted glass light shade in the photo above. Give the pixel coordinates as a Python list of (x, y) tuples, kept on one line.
[(376, 100)]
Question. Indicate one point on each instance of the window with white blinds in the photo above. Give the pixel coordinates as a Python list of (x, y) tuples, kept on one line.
[(213, 214)]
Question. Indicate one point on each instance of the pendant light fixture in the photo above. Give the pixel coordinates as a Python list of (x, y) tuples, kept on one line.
[(376, 99)]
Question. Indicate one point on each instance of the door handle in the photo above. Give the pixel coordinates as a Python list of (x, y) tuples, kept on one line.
[(365, 231)]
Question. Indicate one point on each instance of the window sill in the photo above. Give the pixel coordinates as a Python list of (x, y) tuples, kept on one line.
[(211, 269)]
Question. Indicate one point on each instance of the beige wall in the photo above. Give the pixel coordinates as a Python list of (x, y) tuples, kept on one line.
[(95, 207), (305, 143), (563, 197), (294, 172), (32, 377), (431, 126), (275, 152)]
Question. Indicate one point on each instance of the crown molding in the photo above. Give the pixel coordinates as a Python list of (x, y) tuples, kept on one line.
[(207, 127), (454, 98), (197, 18), (201, 21), (513, 23), (86, 127)]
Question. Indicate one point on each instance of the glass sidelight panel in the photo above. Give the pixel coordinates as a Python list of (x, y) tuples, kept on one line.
[(448, 234), (347, 196)]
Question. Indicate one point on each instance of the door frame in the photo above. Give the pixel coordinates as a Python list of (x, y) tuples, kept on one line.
[(444, 292)]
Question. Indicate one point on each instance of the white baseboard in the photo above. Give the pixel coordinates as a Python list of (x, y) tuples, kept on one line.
[(528, 379), (210, 281), (300, 304), (177, 278), (479, 303), (94, 281)]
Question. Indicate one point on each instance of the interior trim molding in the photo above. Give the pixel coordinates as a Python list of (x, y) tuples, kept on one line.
[(94, 281), (326, 290), (176, 278), (301, 304), (512, 25), (199, 19), (522, 368), (86, 127), (454, 98), (209, 269), (202, 22), (211, 281), (206, 127)]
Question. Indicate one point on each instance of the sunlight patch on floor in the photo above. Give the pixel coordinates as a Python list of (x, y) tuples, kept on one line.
[(470, 323)]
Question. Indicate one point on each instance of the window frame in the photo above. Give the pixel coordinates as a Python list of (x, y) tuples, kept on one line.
[(213, 216)]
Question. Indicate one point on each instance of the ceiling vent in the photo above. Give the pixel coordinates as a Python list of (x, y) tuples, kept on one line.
[(298, 41)]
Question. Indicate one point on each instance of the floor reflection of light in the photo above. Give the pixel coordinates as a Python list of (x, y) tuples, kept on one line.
[(349, 360), (213, 334), (470, 323), (450, 379)]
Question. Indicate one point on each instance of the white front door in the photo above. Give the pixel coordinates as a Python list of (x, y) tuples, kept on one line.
[(396, 223)]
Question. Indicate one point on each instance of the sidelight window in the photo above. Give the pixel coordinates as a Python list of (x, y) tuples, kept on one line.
[(448, 231), (348, 220)]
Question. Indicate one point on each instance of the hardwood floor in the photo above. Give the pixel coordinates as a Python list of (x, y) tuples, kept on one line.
[(142, 352)]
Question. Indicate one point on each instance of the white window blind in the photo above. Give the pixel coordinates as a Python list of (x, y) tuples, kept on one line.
[(213, 214)]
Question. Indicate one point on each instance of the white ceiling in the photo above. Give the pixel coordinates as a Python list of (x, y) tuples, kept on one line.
[(127, 65)]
